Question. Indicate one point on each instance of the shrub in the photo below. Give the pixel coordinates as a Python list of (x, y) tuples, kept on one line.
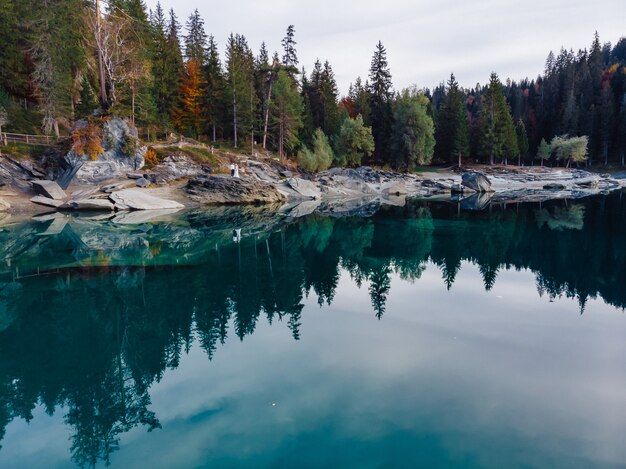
[(321, 157), (151, 158), (87, 140), (129, 145)]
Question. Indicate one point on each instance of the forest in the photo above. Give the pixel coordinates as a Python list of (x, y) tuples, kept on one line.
[(66, 60)]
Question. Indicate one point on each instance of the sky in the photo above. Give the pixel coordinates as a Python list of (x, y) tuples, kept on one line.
[(426, 40)]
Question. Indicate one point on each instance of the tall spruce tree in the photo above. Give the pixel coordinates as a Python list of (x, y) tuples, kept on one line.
[(380, 112), (286, 112), (497, 138), (195, 39), (215, 88), (290, 57), (240, 79), (452, 133)]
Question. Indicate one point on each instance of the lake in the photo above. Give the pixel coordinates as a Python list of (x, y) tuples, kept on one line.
[(419, 336)]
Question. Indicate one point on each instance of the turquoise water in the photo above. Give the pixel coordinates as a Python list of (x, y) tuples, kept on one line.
[(418, 336)]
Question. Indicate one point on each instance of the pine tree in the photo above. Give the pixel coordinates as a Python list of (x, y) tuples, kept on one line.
[(329, 95), (290, 57), (172, 67), (286, 112), (196, 39), (240, 79), (497, 133), (214, 89), (522, 141), (380, 115), (452, 133)]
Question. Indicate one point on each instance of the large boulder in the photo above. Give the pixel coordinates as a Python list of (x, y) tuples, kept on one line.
[(303, 188), (476, 181), (49, 189), (46, 201), (122, 153), (93, 205), (229, 190), (138, 199)]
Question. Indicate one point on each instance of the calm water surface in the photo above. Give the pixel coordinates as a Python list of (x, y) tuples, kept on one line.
[(420, 336)]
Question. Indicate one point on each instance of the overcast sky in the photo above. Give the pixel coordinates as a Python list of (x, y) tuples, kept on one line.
[(425, 39)]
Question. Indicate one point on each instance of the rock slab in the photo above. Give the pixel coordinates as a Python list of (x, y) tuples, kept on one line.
[(137, 199), (304, 188), (89, 205), (41, 200), (49, 189), (476, 181), (229, 190)]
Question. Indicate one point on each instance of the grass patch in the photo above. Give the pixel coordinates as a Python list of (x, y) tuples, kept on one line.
[(20, 151), (198, 154)]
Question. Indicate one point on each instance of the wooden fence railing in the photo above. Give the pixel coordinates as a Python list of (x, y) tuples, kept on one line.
[(45, 140)]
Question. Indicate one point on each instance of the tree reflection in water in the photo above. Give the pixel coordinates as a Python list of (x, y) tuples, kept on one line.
[(93, 315)]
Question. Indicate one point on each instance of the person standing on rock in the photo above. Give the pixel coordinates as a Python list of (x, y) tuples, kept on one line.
[(236, 171), (232, 170)]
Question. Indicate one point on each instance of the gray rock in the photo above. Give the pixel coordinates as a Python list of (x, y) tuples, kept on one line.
[(41, 200), (142, 182), (136, 199), (134, 175), (115, 187), (554, 186), (228, 190), (457, 189), (394, 188), (88, 205), (4, 205), (476, 181), (140, 217), (304, 188), (49, 189), (114, 162)]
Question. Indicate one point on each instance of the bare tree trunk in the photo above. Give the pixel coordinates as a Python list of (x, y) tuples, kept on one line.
[(267, 114), (132, 106), (103, 91), (235, 117)]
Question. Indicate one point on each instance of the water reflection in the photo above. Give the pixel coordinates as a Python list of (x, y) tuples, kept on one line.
[(93, 313)]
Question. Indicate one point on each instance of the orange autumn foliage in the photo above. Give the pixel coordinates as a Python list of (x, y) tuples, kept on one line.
[(188, 116), (87, 140), (151, 158)]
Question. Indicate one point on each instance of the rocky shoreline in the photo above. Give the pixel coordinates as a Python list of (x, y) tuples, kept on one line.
[(179, 182)]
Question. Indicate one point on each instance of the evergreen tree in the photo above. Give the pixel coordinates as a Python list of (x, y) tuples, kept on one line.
[(196, 39), (320, 157), (522, 141), (286, 112), (328, 96), (544, 152), (240, 79), (290, 57), (497, 133), (380, 115), (452, 133), (214, 89)]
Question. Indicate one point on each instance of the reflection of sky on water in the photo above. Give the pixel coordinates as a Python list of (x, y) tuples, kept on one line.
[(465, 377)]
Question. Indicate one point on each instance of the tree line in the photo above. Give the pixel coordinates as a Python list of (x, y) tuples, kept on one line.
[(66, 59)]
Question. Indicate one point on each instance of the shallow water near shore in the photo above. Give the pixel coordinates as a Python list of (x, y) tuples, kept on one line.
[(420, 336)]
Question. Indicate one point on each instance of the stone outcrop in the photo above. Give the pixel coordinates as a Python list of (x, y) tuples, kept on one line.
[(114, 162), (4, 205), (228, 190), (46, 201), (476, 181), (303, 188), (139, 199), (49, 189), (89, 205)]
